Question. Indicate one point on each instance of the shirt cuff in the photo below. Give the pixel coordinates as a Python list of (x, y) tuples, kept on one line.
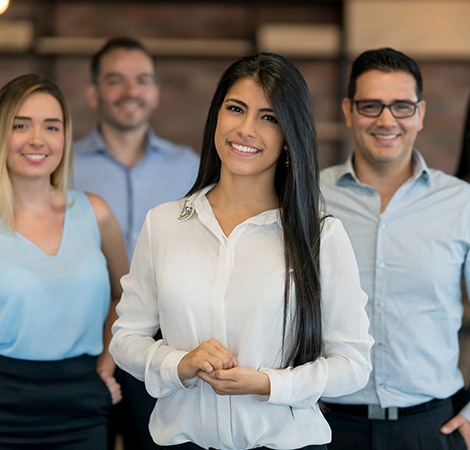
[(166, 378), (281, 389), (465, 412)]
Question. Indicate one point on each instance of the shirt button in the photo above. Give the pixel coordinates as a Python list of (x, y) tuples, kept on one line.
[(381, 264), (381, 304), (381, 385), (380, 346), (383, 226)]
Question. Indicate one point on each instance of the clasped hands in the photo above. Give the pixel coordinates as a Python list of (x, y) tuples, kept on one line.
[(215, 365)]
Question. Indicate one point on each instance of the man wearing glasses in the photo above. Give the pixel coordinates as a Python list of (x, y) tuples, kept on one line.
[(410, 229)]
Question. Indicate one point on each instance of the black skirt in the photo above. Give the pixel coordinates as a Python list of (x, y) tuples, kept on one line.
[(52, 405)]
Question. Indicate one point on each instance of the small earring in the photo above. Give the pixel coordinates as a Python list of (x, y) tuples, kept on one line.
[(287, 161)]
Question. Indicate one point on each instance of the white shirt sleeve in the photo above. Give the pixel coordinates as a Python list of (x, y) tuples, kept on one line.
[(345, 365), (132, 345)]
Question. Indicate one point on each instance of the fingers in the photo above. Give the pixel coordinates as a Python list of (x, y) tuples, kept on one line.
[(207, 357), (216, 354), (113, 386), (458, 422), (453, 424)]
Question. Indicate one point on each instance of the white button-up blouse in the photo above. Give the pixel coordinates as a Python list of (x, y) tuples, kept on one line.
[(195, 283)]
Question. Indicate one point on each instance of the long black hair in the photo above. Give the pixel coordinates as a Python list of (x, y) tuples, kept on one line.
[(463, 170), (296, 185)]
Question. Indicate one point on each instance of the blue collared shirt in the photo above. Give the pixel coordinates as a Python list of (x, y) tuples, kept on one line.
[(411, 259), (166, 172)]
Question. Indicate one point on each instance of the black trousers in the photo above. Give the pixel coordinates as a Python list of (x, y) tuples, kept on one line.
[(416, 431), (52, 405), (191, 446), (131, 416)]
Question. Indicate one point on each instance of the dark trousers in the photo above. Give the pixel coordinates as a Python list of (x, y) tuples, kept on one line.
[(131, 416), (415, 431), (191, 446)]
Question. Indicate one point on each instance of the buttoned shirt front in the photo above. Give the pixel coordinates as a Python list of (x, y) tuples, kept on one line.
[(411, 259), (196, 284), (166, 172)]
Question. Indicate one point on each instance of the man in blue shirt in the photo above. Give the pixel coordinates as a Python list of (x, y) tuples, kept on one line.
[(123, 161), (410, 229)]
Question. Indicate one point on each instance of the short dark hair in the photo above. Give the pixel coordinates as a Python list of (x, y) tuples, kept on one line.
[(112, 44), (386, 60)]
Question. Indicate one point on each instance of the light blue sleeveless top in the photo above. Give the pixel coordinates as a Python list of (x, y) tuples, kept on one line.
[(54, 307)]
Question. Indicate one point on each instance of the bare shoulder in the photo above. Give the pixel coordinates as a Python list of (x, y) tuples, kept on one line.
[(101, 209)]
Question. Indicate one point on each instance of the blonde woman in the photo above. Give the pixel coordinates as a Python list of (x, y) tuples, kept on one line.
[(61, 258)]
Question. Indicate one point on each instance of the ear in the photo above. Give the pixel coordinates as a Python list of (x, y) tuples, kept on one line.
[(92, 95), (421, 113), (346, 105)]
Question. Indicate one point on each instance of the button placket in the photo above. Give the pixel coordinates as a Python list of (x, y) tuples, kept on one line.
[(219, 292)]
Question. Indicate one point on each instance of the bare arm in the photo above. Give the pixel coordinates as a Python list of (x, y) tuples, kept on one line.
[(112, 246)]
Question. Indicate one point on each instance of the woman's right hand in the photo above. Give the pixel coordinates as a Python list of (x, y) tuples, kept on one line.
[(209, 356)]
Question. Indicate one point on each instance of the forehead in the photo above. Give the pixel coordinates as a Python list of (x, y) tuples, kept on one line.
[(386, 86), (127, 62), (40, 102), (247, 89)]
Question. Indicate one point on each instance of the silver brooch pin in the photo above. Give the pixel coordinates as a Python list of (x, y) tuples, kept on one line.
[(186, 212)]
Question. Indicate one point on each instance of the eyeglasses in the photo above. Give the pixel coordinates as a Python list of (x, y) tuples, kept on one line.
[(399, 109)]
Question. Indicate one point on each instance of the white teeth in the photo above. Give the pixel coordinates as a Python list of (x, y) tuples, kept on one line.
[(386, 136), (245, 149), (35, 156)]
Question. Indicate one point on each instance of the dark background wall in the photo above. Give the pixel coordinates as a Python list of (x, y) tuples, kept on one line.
[(63, 35)]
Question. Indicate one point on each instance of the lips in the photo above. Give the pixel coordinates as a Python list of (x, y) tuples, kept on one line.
[(385, 137), (130, 103), (35, 156), (244, 148)]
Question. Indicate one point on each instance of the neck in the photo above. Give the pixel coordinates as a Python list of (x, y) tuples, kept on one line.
[(34, 195), (386, 179), (242, 193), (126, 146)]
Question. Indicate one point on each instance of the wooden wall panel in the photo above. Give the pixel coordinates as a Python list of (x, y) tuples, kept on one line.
[(423, 28)]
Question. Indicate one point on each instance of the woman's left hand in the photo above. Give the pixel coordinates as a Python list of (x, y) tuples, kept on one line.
[(237, 381), (113, 386)]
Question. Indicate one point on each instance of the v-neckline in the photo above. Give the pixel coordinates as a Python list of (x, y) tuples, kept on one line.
[(62, 239)]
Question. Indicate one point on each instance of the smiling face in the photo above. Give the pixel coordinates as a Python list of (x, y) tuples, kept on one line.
[(248, 138), (126, 92), (37, 138), (384, 141)]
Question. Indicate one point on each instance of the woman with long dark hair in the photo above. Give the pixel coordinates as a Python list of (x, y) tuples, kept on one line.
[(256, 292), (61, 258)]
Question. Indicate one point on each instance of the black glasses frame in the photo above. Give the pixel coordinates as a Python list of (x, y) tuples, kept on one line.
[(389, 106)]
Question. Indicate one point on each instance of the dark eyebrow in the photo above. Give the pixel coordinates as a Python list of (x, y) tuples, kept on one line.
[(380, 101), (29, 118), (246, 106), (120, 75)]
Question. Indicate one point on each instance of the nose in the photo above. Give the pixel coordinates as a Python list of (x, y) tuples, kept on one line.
[(131, 88), (35, 138), (386, 118), (247, 126)]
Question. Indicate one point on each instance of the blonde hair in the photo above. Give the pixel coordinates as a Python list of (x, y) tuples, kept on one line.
[(12, 96)]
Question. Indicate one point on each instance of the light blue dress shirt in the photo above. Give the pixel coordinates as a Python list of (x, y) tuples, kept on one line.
[(166, 172), (54, 307), (411, 259)]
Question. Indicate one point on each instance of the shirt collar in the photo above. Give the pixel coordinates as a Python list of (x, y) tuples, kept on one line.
[(200, 204), (346, 174)]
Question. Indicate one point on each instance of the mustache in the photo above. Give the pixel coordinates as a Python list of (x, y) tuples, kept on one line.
[(129, 98)]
